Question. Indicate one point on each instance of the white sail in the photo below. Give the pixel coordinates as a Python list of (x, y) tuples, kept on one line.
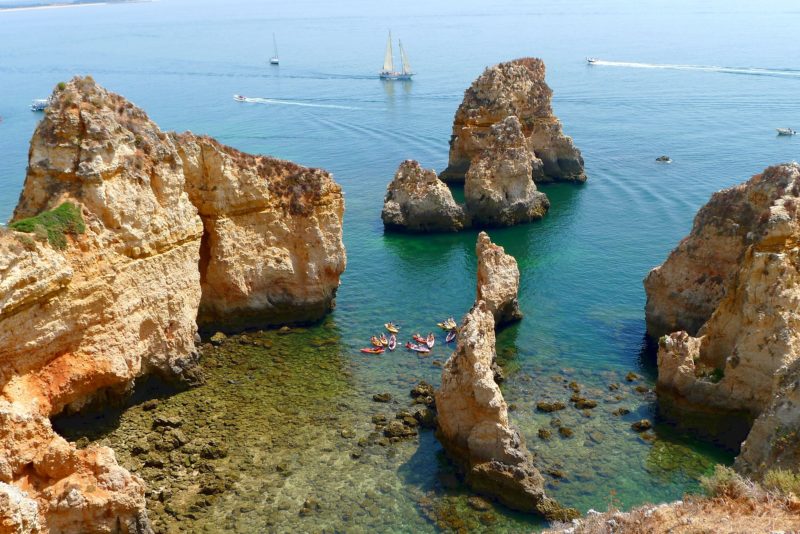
[(388, 63), (404, 59), (274, 46)]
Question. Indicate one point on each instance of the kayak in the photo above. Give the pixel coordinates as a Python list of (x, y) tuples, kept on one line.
[(417, 348), (451, 336), (449, 324), (383, 340), (419, 339), (392, 342), (373, 350), (431, 339), (375, 342), (391, 327)]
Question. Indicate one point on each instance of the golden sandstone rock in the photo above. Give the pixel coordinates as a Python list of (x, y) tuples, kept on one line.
[(174, 224)]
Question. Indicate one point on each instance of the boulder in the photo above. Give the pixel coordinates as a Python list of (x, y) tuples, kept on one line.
[(417, 201)]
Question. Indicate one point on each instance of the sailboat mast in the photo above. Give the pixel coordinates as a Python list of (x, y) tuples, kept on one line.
[(275, 45), (388, 61), (404, 59)]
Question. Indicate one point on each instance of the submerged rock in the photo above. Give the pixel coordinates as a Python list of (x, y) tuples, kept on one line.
[(740, 366), (498, 188), (418, 201), (498, 281), (473, 424), (513, 89)]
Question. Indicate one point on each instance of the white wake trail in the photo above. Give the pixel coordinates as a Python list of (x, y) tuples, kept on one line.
[(293, 103), (752, 71)]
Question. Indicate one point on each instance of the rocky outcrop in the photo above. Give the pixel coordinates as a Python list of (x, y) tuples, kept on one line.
[(417, 201), (739, 364), (515, 88), (272, 250), (498, 189), (498, 281), (82, 317), (473, 424)]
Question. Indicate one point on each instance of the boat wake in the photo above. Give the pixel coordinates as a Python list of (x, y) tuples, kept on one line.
[(748, 71), (275, 101)]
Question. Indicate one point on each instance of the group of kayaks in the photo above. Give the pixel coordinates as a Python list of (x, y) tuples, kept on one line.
[(421, 344)]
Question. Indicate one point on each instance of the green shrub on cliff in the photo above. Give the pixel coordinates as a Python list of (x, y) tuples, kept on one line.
[(783, 481), (53, 225)]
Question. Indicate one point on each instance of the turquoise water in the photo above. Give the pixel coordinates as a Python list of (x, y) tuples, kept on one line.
[(581, 266)]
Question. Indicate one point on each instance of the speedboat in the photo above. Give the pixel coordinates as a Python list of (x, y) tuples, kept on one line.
[(663, 159), (785, 131), (40, 104), (240, 98), (591, 60)]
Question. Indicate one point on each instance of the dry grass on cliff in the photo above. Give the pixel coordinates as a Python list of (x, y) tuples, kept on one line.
[(733, 505)]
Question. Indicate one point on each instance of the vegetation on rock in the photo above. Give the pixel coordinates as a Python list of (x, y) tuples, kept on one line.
[(53, 225)]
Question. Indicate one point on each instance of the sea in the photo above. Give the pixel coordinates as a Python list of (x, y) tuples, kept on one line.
[(705, 83)]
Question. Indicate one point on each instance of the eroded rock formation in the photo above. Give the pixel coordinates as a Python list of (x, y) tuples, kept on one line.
[(473, 424), (498, 281), (739, 363), (122, 298), (515, 88), (498, 189), (417, 201)]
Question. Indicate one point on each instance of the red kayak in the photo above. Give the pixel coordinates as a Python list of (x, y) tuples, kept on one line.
[(373, 350), (419, 339)]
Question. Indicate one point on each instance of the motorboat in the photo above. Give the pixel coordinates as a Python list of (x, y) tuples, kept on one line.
[(785, 131), (663, 159), (591, 60), (240, 98), (388, 72), (40, 104)]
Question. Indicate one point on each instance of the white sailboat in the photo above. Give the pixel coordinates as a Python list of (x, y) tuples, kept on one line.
[(388, 72), (274, 59)]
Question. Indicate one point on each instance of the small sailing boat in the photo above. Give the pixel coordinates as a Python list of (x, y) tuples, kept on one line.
[(388, 72), (274, 59)]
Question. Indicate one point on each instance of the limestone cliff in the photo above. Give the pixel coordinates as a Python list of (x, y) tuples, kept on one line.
[(83, 314), (498, 281), (417, 201), (272, 250), (498, 188), (515, 88), (473, 424), (739, 363)]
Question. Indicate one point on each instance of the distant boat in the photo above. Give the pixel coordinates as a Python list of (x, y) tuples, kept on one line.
[(591, 60), (664, 159), (785, 131), (40, 104), (388, 72), (240, 98), (274, 59)]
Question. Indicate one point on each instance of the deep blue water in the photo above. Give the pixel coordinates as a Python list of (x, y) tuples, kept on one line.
[(581, 267)]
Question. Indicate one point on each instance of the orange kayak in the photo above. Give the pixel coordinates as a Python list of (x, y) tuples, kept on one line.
[(373, 350)]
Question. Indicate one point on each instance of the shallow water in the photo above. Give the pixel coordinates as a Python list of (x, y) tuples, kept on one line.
[(581, 266)]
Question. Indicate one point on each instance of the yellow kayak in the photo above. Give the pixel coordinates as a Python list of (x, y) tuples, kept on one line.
[(391, 327)]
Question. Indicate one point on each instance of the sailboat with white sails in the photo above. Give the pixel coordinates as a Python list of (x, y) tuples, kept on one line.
[(274, 59), (388, 72)]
